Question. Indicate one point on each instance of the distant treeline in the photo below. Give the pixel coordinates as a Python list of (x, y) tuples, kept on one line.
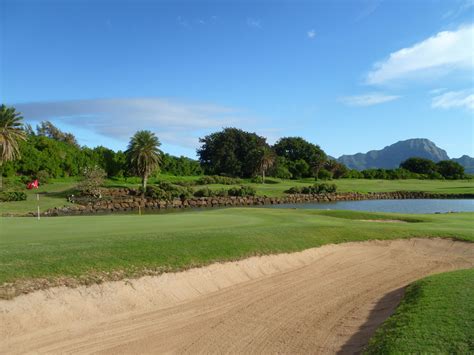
[(49, 152)]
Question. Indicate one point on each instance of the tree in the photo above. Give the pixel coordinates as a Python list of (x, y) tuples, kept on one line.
[(231, 152), (93, 178), (450, 169), (143, 155), (295, 150), (336, 169), (267, 159), (47, 129), (419, 165), (11, 133)]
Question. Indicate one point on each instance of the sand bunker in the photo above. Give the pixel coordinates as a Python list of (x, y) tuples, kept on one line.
[(322, 300)]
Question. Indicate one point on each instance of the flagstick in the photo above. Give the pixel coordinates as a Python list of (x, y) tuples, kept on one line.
[(37, 199)]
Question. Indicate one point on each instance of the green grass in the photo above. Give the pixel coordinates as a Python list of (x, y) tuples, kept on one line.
[(54, 194), (51, 195), (78, 246), (436, 316)]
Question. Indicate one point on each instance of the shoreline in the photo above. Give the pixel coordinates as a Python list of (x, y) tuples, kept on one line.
[(111, 203)]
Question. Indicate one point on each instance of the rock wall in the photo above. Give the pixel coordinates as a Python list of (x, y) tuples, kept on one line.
[(121, 203)]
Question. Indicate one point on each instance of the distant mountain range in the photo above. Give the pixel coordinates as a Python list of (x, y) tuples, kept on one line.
[(391, 156)]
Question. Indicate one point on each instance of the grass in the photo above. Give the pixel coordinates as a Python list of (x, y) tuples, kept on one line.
[(54, 194), (436, 316), (79, 246)]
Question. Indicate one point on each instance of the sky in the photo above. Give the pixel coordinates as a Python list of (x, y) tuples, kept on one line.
[(348, 75)]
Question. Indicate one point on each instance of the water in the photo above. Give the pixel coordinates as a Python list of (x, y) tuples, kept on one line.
[(397, 206)]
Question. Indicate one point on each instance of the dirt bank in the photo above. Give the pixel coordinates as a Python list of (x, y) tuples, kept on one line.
[(322, 300)]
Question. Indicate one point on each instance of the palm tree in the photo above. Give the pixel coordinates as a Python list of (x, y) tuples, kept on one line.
[(144, 155), (267, 159), (11, 132)]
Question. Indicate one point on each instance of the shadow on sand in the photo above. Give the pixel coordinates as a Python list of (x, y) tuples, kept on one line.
[(383, 309)]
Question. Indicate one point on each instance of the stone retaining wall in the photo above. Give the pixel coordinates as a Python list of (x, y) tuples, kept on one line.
[(133, 203)]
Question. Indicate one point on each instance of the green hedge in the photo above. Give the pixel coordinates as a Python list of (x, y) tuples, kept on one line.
[(8, 196), (313, 189)]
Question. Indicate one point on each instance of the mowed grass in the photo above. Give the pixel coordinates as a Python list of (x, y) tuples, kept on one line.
[(436, 316), (82, 245), (54, 194)]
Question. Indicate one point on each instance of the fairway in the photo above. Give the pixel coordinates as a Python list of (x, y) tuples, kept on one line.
[(91, 249)]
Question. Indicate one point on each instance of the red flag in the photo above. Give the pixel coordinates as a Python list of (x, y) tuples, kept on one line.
[(33, 185)]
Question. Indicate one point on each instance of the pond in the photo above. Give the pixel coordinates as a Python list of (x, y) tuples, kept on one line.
[(397, 206)]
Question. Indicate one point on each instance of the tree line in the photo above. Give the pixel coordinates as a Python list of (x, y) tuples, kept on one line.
[(49, 152)]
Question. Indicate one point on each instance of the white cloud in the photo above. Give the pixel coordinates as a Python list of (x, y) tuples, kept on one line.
[(253, 22), (464, 6), (444, 52), (368, 99), (174, 122), (311, 33), (454, 99)]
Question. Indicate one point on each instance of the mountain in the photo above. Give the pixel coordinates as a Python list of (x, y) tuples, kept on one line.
[(467, 162), (391, 156)]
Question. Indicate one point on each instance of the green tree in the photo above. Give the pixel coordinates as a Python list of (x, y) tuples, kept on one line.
[(450, 169), (419, 165), (266, 161), (231, 152), (143, 155), (47, 129), (297, 149), (11, 134)]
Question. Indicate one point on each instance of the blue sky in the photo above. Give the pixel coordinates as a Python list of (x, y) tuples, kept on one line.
[(348, 75)]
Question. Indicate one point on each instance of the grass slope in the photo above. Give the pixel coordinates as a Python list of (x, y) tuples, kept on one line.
[(133, 245), (436, 316), (55, 193)]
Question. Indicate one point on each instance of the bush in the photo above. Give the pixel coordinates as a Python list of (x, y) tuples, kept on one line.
[(242, 191), (164, 190), (324, 174), (315, 189), (92, 181), (216, 179), (259, 180), (8, 196), (43, 177), (207, 192)]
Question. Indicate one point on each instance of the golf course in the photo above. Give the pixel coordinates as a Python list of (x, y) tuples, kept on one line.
[(236, 177), (145, 275)]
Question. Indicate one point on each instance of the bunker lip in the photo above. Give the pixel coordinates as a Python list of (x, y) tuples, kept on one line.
[(316, 300)]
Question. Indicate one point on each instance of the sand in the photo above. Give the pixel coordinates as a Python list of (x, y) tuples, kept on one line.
[(321, 300)]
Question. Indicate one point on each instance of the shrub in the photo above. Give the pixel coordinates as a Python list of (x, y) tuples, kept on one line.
[(207, 192), (43, 176), (259, 180), (242, 191), (313, 189), (8, 196), (216, 179), (92, 181), (324, 174), (164, 190), (204, 192)]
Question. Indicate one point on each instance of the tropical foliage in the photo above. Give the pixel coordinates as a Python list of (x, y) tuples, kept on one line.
[(11, 133), (143, 154)]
